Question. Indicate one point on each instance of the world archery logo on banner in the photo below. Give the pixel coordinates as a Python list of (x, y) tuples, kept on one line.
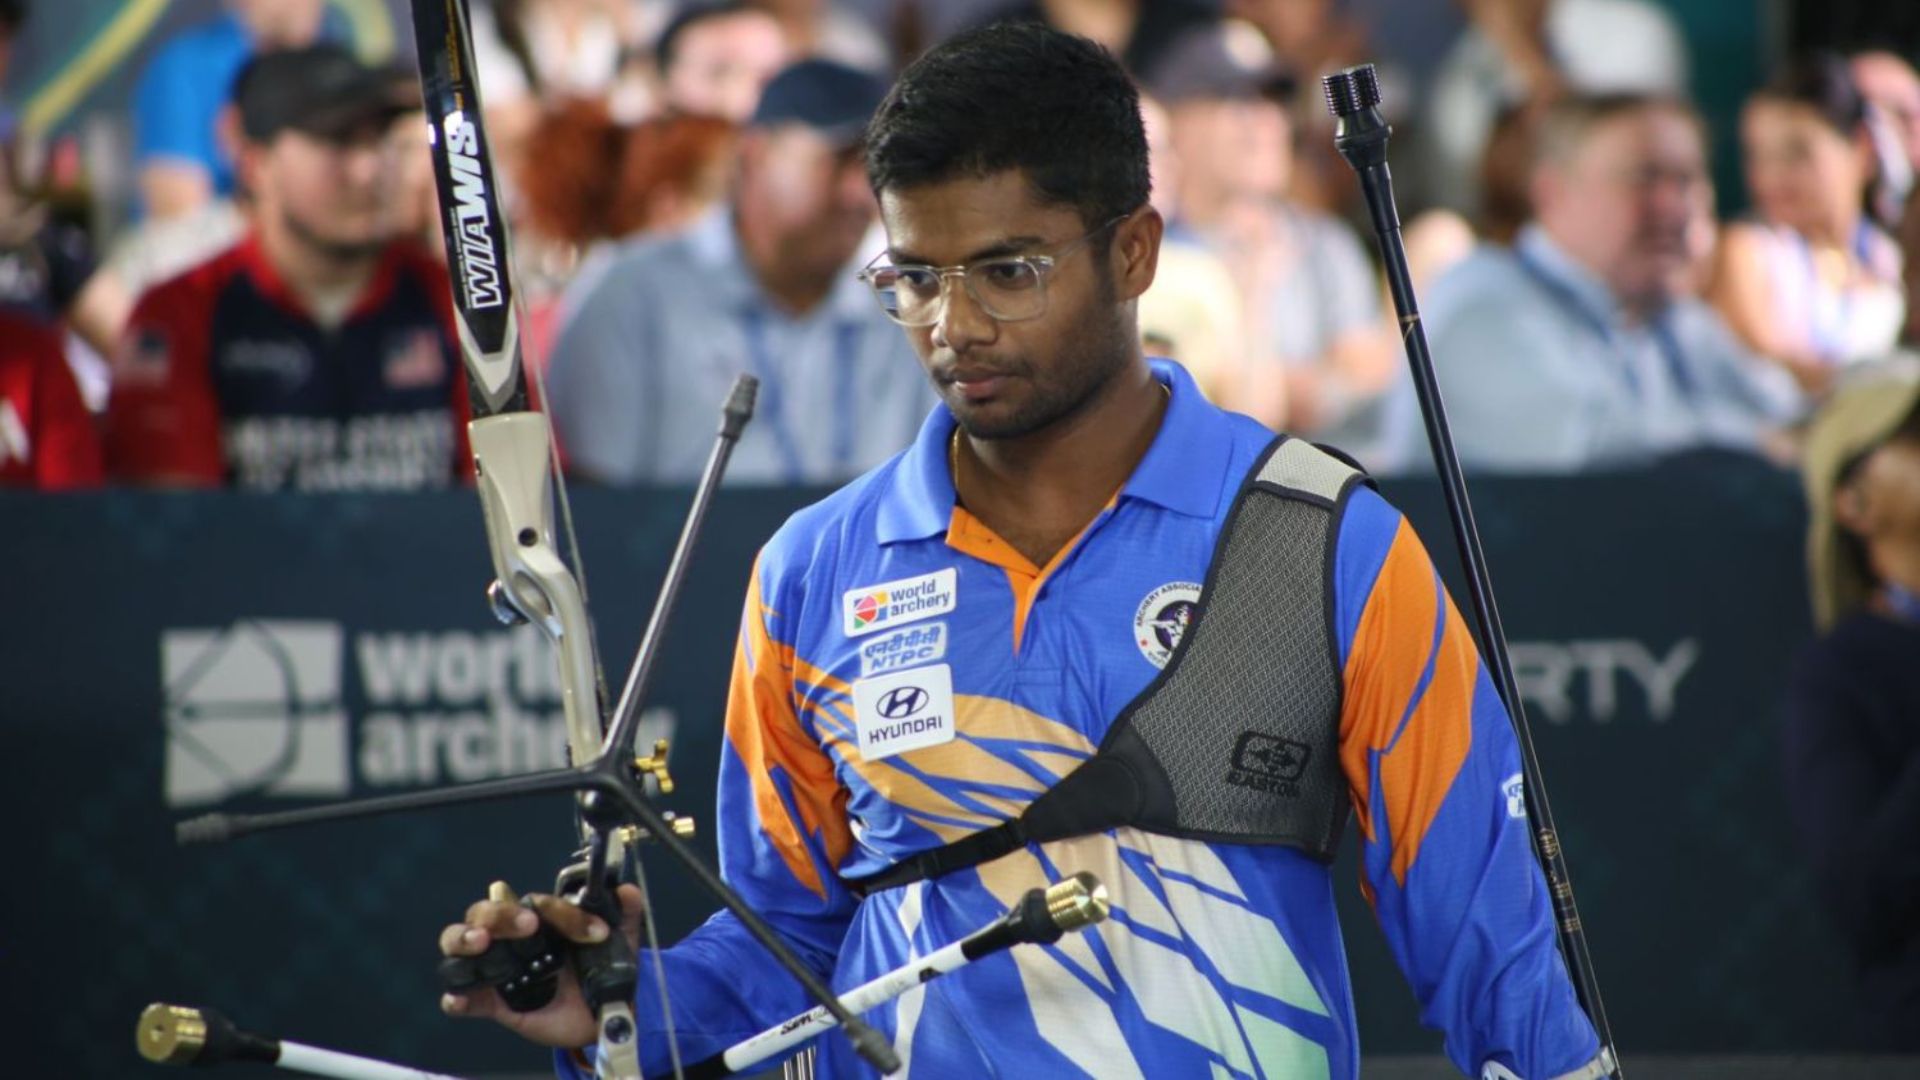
[(254, 709), (298, 709), (871, 608)]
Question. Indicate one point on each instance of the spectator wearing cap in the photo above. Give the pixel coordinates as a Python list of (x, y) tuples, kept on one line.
[(1580, 347), (1317, 354), (181, 157), (763, 286), (1852, 736), (318, 353)]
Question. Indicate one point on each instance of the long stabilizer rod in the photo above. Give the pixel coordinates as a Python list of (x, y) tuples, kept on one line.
[(1360, 133)]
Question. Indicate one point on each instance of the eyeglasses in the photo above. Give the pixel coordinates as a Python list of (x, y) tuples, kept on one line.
[(1010, 288)]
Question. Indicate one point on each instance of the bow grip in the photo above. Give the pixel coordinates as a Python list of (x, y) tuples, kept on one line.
[(525, 971)]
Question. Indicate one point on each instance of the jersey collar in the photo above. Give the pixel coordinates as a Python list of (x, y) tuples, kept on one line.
[(1184, 471)]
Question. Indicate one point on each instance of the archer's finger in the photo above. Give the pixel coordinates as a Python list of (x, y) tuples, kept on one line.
[(459, 939), (501, 919), (477, 1005), (569, 919)]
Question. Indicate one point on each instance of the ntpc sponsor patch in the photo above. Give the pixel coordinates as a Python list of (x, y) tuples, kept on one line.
[(904, 648), (904, 711), (872, 608)]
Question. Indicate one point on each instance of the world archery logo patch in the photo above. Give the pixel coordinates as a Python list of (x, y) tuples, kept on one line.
[(1162, 618), (891, 603), (867, 609)]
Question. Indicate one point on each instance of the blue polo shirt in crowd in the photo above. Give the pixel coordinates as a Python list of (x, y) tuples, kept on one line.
[(651, 341), (187, 83), (1543, 371), (904, 677)]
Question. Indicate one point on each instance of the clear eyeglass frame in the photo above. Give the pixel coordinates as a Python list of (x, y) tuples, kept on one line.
[(1009, 288)]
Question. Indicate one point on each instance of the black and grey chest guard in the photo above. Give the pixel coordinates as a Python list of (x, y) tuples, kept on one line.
[(1237, 740)]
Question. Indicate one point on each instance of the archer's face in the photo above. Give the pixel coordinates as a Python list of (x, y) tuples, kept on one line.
[(1009, 379)]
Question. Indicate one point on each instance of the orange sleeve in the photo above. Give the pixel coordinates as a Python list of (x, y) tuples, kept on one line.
[(793, 797), (1406, 723)]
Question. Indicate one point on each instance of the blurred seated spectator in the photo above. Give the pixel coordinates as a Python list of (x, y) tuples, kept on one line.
[(319, 353), (714, 59), (764, 286), (1812, 282), (528, 50), (1139, 32), (183, 157), (534, 53), (1191, 313), (1852, 744), (1579, 347), (47, 439), (831, 31), (1317, 352), (1892, 89), (47, 269), (1310, 39), (600, 180), (1439, 239), (1526, 54)]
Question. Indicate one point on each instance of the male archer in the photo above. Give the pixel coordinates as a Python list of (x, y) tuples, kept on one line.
[(1064, 495)]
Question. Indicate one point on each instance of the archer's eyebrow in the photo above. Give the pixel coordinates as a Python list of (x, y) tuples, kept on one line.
[(1012, 245)]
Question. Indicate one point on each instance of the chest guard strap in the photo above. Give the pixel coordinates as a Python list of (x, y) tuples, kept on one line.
[(1237, 740)]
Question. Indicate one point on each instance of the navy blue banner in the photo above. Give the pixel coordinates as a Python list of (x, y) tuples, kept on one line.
[(164, 655)]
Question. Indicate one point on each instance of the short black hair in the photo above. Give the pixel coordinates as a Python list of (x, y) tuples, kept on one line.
[(13, 15), (1016, 95), (666, 47)]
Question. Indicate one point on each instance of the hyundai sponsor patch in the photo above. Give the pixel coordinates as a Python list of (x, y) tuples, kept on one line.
[(907, 647), (906, 710), (872, 608)]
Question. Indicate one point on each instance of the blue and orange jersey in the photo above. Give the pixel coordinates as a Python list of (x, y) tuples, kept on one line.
[(905, 678)]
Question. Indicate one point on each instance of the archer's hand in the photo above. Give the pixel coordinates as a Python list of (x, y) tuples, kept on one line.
[(565, 1021)]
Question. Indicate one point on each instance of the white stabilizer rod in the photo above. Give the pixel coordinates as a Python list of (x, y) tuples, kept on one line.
[(299, 1057), (1042, 917)]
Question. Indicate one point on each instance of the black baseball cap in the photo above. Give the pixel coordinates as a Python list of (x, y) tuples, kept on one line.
[(832, 98), (322, 90)]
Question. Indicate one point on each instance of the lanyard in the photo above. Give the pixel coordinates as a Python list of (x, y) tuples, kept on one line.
[(1569, 301), (1903, 602), (773, 406)]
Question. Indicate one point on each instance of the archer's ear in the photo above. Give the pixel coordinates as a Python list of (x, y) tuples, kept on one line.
[(1136, 252)]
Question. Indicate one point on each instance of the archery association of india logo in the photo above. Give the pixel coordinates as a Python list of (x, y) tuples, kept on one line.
[(1162, 618)]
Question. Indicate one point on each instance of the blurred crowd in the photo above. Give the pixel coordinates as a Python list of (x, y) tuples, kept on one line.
[(684, 185)]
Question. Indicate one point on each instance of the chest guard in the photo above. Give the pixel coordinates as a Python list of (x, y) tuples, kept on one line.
[(1237, 740)]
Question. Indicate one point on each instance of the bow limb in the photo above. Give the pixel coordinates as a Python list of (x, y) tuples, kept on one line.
[(514, 469)]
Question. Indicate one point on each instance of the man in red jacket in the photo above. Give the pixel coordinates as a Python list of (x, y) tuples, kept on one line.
[(319, 352)]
